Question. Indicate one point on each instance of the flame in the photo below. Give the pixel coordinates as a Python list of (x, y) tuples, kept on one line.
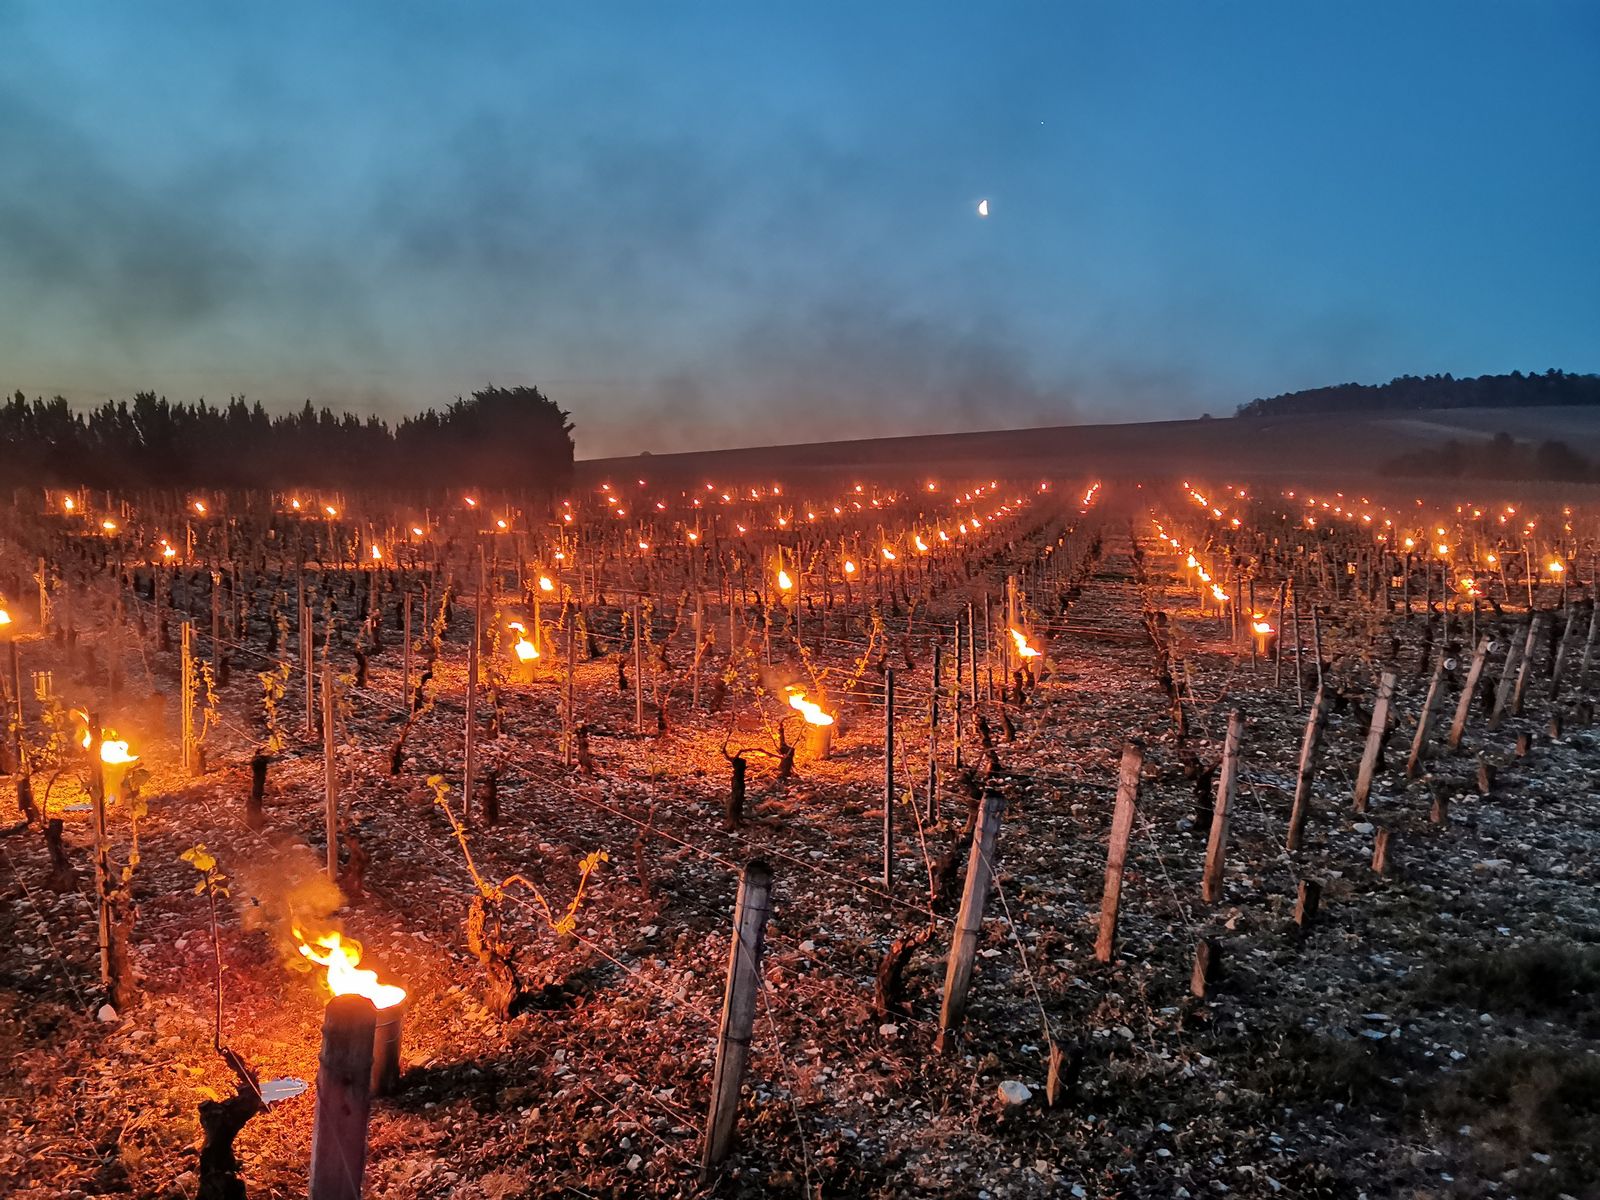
[(849, 567), (69, 504), (330, 510), (168, 552), (108, 525), (784, 582), (1556, 567), (295, 504), (812, 712), (889, 555), (5, 617), (377, 555), (115, 752), (200, 508), (526, 650), (471, 502), (921, 545), (1260, 625), (1023, 649), (546, 584), (1220, 595), (345, 978)]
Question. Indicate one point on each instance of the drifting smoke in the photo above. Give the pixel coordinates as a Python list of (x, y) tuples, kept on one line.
[(283, 889)]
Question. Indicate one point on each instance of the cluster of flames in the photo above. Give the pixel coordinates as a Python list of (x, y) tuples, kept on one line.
[(1389, 527)]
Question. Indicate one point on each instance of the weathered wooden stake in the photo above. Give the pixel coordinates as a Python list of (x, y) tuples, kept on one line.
[(1369, 756), (1306, 775), (738, 1011), (1222, 811), (1207, 960), (1464, 706), (1117, 848), (964, 943), (1307, 902), (1430, 705), (888, 778), (330, 771), (344, 1099), (1380, 852)]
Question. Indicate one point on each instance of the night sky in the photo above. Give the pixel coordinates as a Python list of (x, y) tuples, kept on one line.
[(703, 225)]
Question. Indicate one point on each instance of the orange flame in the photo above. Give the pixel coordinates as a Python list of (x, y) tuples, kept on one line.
[(1023, 649), (784, 582), (812, 712), (345, 978)]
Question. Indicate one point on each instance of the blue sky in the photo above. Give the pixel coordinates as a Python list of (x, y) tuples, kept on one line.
[(717, 224)]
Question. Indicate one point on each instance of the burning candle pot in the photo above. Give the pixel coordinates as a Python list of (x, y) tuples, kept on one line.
[(815, 717), (1266, 637), (342, 958)]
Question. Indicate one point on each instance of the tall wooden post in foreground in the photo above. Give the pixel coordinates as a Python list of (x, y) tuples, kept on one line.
[(344, 1099), (964, 944), (738, 1011)]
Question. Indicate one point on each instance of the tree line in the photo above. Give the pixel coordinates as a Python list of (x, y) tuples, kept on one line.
[(1515, 390), (501, 438), (1499, 457)]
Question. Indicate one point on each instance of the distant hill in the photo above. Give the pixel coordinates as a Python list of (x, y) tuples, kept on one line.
[(1411, 392)]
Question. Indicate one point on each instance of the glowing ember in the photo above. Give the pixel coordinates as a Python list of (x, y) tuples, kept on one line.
[(812, 712), (345, 978), (1023, 649)]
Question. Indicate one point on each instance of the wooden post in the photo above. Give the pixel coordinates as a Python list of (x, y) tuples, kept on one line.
[(344, 1099), (888, 778), (330, 771), (469, 765), (1369, 756), (1589, 640), (964, 943), (186, 690), (308, 641), (1559, 666), (738, 1011), (1117, 849), (1430, 704), (1468, 691), (1508, 675), (1207, 959), (405, 676), (567, 709), (1306, 775), (1380, 852), (638, 670), (1307, 902), (933, 741), (1528, 649), (1221, 813)]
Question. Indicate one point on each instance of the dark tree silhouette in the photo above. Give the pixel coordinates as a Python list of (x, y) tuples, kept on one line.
[(1515, 390), (511, 438)]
